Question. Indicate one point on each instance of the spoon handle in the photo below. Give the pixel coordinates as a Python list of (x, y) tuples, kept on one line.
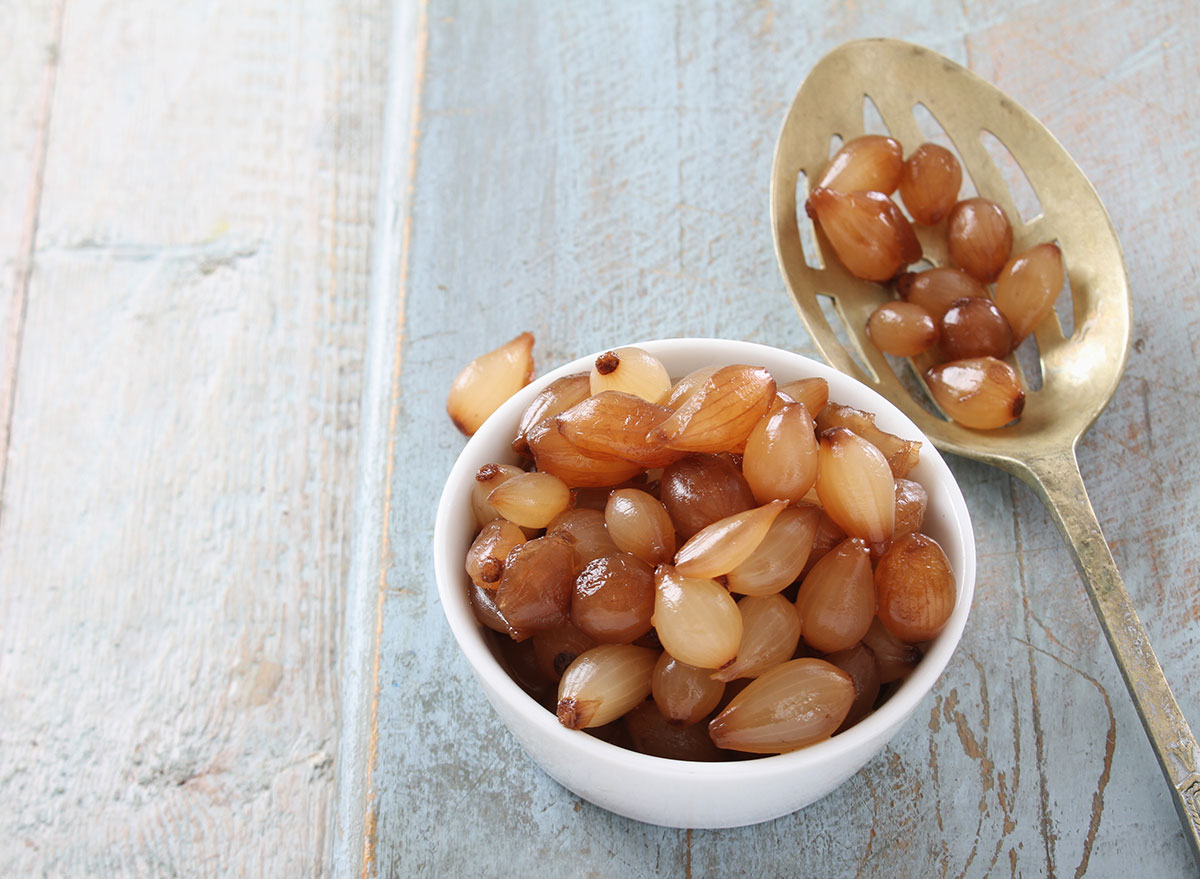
[(1057, 480)]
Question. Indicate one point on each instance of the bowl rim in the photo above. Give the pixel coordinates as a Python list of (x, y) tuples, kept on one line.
[(878, 726)]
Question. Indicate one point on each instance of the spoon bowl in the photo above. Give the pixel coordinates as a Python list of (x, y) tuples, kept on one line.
[(1078, 370)]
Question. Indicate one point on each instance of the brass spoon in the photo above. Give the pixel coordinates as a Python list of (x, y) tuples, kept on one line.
[(1080, 372)]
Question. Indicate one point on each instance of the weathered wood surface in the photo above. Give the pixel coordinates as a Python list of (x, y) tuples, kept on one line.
[(195, 347), (188, 281), (597, 174)]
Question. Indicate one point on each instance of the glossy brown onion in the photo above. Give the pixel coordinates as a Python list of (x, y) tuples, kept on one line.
[(1027, 287), (588, 530), (902, 455), (936, 289), (837, 598), (638, 523), (489, 380), (614, 425), (856, 486), (535, 588), (555, 649), (650, 733), (915, 588), (869, 234), (720, 547), (683, 693), (974, 327), (603, 683), (780, 460), (796, 703), (911, 501), (858, 662), (812, 392), (903, 329), (487, 479), (929, 183), (558, 396), (700, 489), (613, 599), (770, 633), (780, 558), (486, 613), (696, 619), (485, 558), (721, 413), (554, 453), (982, 392), (894, 657), (871, 162), (979, 238)]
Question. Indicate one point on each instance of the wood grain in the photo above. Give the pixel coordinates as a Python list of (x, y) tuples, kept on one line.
[(176, 514), (599, 175)]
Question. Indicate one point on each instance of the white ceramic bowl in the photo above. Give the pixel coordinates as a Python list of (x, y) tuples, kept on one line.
[(672, 792)]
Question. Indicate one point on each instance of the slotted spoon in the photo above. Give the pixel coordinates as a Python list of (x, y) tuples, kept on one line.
[(1079, 372)]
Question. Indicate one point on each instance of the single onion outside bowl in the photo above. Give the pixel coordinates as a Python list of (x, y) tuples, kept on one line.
[(678, 793)]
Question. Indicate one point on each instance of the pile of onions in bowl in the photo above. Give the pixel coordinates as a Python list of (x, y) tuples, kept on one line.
[(722, 565), (947, 310)]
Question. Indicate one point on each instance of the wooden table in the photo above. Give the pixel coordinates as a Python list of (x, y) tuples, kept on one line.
[(246, 246)]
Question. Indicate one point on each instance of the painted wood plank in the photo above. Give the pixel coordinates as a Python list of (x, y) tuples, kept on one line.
[(598, 176), (175, 535)]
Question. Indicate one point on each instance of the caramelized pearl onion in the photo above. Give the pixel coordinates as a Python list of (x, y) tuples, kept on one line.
[(700, 489), (535, 588), (975, 327), (559, 396), (632, 371), (812, 392), (603, 683), (638, 523), (858, 662), (796, 703), (555, 649), (779, 559), (697, 620), (935, 290), (653, 734), (485, 558), (870, 162), (982, 392), (530, 500), (770, 633), (613, 425), (683, 693), (489, 380), (554, 453), (870, 236), (780, 460), (915, 588), (487, 479), (720, 414), (1028, 286), (903, 329), (856, 486), (979, 238), (929, 182), (902, 455), (837, 598), (613, 599), (588, 530), (720, 547)]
